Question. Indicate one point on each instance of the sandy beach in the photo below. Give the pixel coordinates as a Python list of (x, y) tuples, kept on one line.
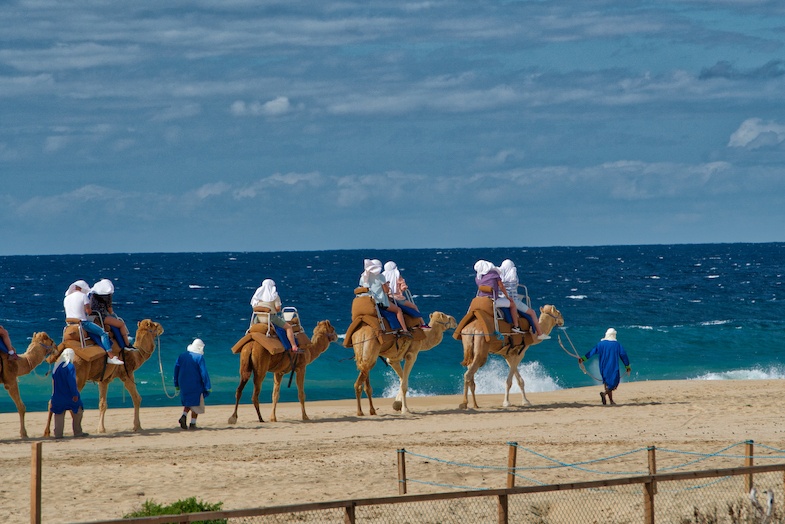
[(338, 455)]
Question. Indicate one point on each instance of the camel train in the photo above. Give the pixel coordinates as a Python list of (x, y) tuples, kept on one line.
[(483, 331)]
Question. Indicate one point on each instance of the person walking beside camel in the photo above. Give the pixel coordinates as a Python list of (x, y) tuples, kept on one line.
[(65, 395), (609, 351), (192, 381)]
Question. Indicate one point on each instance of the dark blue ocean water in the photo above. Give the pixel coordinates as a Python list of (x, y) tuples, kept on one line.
[(710, 311)]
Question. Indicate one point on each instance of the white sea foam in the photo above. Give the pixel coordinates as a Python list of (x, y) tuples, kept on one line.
[(642, 327), (577, 297), (773, 372), (715, 323), (196, 286), (489, 380), (712, 276)]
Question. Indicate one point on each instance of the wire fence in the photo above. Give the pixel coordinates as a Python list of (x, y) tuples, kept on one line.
[(734, 491)]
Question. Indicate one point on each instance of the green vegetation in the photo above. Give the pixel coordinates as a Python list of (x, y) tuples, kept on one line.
[(151, 508)]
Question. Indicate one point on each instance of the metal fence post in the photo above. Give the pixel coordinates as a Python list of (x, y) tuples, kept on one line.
[(35, 484), (402, 472), (748, 462), (512, 457)]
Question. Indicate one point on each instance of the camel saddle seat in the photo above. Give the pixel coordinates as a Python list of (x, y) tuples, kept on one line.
[(72, 338), (481, 309), (365, 312)]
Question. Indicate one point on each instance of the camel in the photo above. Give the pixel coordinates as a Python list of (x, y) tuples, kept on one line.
[(41, 347), (439, 322), (257, 361), (369, 344), (478, 343), (96, 371)]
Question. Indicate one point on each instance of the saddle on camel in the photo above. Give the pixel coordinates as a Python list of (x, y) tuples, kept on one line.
[(272, 338), (76, 338), (496, 325), (385, 325)]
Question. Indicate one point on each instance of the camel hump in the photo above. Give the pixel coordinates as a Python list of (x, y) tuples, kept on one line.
[(363, 305)]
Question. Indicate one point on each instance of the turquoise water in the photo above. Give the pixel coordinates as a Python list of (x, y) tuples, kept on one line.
[(709, 311)]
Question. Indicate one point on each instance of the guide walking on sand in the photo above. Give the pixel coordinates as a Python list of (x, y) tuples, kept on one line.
[(609, 351)]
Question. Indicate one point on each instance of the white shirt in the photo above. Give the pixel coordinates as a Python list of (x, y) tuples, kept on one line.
[(74, 305)]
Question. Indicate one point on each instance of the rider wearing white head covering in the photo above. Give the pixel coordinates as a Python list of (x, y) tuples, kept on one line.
[(267, 296), (392, 275), (509, 274), (483, 267)]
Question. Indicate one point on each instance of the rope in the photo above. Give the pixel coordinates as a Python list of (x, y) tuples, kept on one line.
[(576, 465), (575, 354), (161, 369)]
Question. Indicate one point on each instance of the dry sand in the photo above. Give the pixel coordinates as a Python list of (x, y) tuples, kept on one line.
[(338, 455)]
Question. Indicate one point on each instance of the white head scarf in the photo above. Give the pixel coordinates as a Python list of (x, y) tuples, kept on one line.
[(509, 272), (84, 286), (66, 357), (197, 346), (103, 287), (372, 267), (269, 291), (610, 334), (391, 275), (483, 267)]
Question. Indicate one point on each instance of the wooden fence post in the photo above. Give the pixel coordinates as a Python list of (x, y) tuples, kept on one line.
[(35, 484), (653, 466), (648, 502), (748, 462), (503, 514), (402, 472), (512, 457), (348, 514)]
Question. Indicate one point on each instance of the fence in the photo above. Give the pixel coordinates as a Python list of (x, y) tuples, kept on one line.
[(710, 496)]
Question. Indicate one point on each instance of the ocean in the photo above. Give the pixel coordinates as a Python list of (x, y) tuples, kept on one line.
[(695, 312)]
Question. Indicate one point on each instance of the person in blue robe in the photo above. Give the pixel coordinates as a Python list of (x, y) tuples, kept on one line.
[(65, 395), (192, 381), (610, 352)]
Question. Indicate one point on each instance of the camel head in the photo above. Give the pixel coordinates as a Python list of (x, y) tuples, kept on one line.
[(45, 341), (551, 311), (325, 328), (443, 319)]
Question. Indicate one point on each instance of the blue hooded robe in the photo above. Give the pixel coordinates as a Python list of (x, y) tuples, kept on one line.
[(190, 375), (609, 351), (64, 389)]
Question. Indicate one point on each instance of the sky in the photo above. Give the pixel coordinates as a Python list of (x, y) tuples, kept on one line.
[(235, 125)]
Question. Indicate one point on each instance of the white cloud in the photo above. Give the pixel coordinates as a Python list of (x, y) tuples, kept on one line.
[(53, 144), (275, 107), (754, 133)]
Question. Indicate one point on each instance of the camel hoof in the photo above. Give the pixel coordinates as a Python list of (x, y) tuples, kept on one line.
[(527, 403), (232, 419), (273, 419), (397, 405), (373, 412), (505, 404), (463, 405), (360, 414)]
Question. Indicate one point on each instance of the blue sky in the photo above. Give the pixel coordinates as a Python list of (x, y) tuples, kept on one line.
[(267, 126)]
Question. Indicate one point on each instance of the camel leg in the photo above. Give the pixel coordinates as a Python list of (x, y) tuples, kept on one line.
[(403, 374), (512, 371), (237, 395), (369, 392), (300, 379), (257, 388), (130, 386), (519, 379), (358, 392), (48, 421), (277, 378), (103, 389), (399, 401), (13, 391)]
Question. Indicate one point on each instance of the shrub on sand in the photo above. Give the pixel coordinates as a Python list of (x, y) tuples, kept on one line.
[(151, 508)]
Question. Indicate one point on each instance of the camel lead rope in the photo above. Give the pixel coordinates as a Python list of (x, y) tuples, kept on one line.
[(575, 354), (161, 369)]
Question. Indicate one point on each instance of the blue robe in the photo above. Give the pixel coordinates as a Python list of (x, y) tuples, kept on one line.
[(190, 375), (64, 389), (609, 351)]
